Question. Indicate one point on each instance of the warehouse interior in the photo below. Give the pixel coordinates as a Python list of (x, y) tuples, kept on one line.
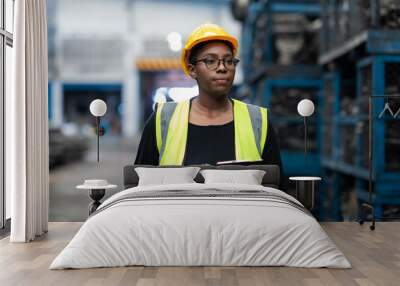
[(342, 55)]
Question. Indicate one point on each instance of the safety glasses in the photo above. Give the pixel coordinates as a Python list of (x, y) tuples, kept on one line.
[(212, 63)]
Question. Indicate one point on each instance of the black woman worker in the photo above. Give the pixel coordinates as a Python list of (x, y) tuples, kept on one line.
[(210, 127)]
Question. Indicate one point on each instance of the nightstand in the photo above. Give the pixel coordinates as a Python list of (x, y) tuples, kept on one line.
[(305, 189), (97, 189)]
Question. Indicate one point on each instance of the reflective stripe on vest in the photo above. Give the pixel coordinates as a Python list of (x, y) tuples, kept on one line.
[(172, 120)]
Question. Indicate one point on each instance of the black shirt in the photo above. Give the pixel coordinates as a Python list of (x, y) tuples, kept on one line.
[(207, 145)]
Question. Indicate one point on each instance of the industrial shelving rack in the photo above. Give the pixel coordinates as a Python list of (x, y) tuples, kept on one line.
[(361, 61), (280, 77)]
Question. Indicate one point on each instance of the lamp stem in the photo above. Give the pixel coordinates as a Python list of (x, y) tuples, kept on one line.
[(305, 138), (98, 135)]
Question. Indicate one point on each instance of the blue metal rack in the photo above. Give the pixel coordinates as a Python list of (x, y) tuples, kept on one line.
[(293, 160), (372, 52), (270, 81), (386, 178), (386, 183), (265, 75), (356, 49)]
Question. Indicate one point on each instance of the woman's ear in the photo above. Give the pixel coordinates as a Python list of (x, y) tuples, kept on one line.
[(192, 71)]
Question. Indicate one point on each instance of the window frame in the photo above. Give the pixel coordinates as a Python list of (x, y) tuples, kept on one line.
[(6, 39)]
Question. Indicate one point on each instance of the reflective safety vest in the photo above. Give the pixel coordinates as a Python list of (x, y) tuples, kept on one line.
[(172, 121)]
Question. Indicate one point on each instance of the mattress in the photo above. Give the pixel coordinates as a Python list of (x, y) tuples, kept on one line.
[(201, 225)]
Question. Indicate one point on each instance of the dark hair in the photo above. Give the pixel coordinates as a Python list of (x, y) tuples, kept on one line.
[(196, 49)]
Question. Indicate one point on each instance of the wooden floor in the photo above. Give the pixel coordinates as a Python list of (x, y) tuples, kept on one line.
[(374, 255)]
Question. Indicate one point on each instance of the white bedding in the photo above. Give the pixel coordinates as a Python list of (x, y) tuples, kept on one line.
[(181, 231)]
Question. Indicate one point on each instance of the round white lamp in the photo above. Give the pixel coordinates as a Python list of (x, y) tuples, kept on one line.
[(98, 108), (305, 108)]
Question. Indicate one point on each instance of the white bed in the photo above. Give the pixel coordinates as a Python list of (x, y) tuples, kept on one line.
[(225, 225)]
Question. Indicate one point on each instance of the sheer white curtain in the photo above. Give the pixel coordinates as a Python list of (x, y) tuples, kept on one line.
[(27, 124)]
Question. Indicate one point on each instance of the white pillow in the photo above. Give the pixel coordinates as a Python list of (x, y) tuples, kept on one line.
[(164, 176), (248, 177)]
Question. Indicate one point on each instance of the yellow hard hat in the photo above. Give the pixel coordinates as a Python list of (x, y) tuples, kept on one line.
[(204, 33)]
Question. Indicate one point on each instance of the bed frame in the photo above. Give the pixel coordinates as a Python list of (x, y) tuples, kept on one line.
[(270, 179)]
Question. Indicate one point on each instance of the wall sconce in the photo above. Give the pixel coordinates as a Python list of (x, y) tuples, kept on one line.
[(305, 108), (98, 108)]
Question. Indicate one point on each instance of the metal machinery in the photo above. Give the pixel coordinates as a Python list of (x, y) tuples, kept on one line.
[(360, 56), (279, 52)]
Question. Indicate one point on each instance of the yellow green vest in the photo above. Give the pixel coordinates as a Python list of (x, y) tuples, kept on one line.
[(172, 121)]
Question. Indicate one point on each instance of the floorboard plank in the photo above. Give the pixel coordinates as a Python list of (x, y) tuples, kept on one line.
[(374, 255)]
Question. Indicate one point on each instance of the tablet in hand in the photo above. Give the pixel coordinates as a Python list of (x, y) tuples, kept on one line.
[(238, 162)]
